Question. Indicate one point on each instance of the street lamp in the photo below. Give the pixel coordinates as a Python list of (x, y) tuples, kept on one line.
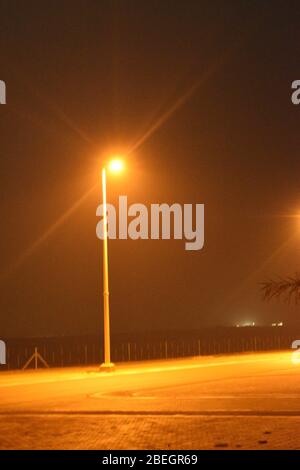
[(115, 166)]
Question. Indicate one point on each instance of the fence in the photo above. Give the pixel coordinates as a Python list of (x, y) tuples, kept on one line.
[(63, 352)]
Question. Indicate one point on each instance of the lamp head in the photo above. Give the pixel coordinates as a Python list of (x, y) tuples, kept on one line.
[(116, 165)]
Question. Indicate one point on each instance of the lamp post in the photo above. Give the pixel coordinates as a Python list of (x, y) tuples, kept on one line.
[(115, 166)]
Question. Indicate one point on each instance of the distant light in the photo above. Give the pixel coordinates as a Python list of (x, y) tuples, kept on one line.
[(249, 323), (116, 165), (280, 324), (246, 324), (274, 324)]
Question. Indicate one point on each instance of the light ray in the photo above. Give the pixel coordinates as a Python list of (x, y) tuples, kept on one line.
[(263, 265), (47, 234), (179, 103)]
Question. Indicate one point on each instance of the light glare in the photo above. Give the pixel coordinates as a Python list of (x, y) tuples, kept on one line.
[(116, 165)]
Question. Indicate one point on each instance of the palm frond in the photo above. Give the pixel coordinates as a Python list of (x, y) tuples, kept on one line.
[(287, 289)]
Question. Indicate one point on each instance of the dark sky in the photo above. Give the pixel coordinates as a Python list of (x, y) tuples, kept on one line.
[(89, 78)]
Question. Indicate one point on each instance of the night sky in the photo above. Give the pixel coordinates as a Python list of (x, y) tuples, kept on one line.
[(198, 93)]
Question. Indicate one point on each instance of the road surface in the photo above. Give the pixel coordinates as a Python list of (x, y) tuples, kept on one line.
[(244, 401)]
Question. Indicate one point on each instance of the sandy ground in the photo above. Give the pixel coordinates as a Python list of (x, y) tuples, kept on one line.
[(150, 432), (249, 401)]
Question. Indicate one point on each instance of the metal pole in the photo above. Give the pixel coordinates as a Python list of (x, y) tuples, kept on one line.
[(107, 363)]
